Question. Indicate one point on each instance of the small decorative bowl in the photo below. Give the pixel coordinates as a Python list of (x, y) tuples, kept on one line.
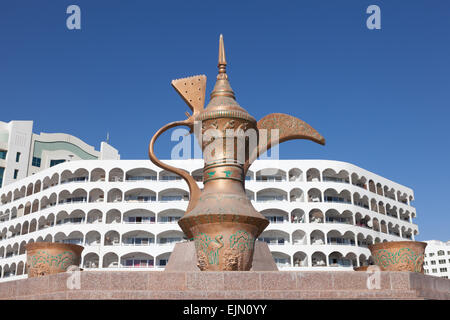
[(399, 255), (45, 258)]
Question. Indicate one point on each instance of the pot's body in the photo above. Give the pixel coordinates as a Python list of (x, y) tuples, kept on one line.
[(224, 226), (399, 255), (45, 258)]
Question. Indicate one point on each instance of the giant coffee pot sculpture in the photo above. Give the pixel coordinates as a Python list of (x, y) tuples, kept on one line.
[(220, 218)]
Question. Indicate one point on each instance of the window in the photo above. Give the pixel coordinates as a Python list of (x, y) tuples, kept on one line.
[(434, 270), (442, 261), (3, 154), (433, 262), (431, 254), (36, 162), (2, 170), (17, 156), (16, 172), (443, 269), (441, 253), (55, 162)]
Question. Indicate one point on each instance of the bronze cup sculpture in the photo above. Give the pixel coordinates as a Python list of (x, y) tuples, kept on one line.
[(44, 258), (399, 255), (220, 218)]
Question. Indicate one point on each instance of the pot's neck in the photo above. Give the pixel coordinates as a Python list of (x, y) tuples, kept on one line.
[(224, 175)]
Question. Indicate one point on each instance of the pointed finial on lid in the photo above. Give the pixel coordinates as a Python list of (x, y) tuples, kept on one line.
[(222, 65)]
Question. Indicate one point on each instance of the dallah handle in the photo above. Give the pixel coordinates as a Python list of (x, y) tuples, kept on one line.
[(194, 190)]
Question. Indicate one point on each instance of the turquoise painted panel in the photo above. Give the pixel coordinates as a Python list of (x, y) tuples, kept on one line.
[(39, 146)]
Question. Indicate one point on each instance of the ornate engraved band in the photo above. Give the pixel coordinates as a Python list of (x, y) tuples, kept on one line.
[(226, 114)]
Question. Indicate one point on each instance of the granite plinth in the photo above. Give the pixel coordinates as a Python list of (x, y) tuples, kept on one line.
[(228, 285), (184, 258)]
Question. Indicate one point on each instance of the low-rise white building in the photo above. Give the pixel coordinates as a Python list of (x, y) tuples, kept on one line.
[(437, 258)]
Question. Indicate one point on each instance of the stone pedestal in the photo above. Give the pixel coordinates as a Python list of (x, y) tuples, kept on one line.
[(184, 258), (228, 285)]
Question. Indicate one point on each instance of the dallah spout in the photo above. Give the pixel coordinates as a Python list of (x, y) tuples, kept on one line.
[(289, 128)]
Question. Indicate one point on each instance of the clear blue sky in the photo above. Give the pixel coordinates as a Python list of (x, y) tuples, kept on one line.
[(380, 97)]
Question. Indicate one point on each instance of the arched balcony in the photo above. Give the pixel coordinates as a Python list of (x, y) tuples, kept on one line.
[(77, 196), (110, 260), (298, 216), (173, 194), (138, 238), (317, 237), (116, 175), (392, 212), (313, 175), (50, 182), (44, 222), (334, 237), (336, 259), (93, 238), (91, 261), (300, 259), (138, 216), (318, 259), (37, 187), (359, 181), (314, 195), (403, 198), (405, 215), (333, 216), (112, 238), (383, 226), (299, 237), (375, 225), (75, 237), (282, 260), (295, 175), (165, 175), (94, 216), (29, 189), (361, 221), (360, 201), (162, 260), (96, 195), (296, 195), (170, 216), (114, 195), (141, 174), (48, 202), (274, 237), (363, 260), (271, 174), (97, 175), (170, 237), (137, 260), (80, 175), (393, 230), (331, 195), (379, 189), (389, 193), (75, 217), (271, 194), (316, 216), (330, 175), (381, 208), (113, 216), (363, 241), (276, 215), (140, 195)]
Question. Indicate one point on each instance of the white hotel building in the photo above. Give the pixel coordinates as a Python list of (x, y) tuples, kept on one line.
[(437, 259), (323, 213)]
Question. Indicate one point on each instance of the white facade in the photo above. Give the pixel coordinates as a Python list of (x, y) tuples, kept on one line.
[(124, 212), (437, 259), (23, 153)]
